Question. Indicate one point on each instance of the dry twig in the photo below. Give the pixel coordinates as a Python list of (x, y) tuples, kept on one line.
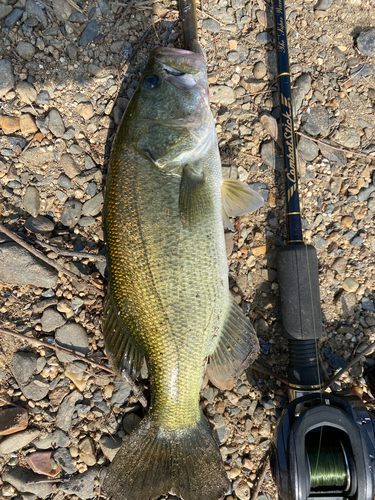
[(48, 261), (265, 371), (261, 479), (135, 388), (70, 253), (335, 147), (351, 363)]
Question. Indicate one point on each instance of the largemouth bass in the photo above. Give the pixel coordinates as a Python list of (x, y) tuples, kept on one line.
[(168, 298)]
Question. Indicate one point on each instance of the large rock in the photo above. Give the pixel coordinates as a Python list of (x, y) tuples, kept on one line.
[(23, 366), (73, 337), (81, 485), (26, 481), (17, 441), (20, 267)]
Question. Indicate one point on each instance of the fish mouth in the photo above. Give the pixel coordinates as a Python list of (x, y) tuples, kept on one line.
[(180, 60)]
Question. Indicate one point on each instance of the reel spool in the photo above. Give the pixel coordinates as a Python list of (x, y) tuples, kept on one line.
[(324, 449), (328, 461)]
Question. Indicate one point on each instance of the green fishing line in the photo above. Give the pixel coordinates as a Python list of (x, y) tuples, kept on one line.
[(328, 464)]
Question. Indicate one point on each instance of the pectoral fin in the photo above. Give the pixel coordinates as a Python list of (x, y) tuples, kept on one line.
[(237, 348), (238, 199), (195, 199)]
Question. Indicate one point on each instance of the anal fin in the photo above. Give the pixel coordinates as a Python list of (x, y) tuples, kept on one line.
[(237, 348), (122, 350)]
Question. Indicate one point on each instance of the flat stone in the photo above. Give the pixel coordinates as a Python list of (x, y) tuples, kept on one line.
[(350, 285), (89, 33), (71, 336), (319, 241), (75, 149), (222, 94), (334, 155), (86, 221), (366, 43), (57, 439), (366, 192), (70, 167), (43, 98), (299, 90), (55, 123), (62, 9), (6, 77), (121, 393), (358, 240), (27, 124), (78, 17), (87, 451), (81, 485), (260, 70), (323, 4), (71, 213), (40, 306), (33, 10), (39, 224), (19, 267), (26, 481), (264, 38), (308, 149), (41, 463), (31, 201), (64, 459), (13, 17), (348, 137), (9, 124), (66, 410), (316, 122), (346, 303), (93, 207), (72, 51), (211, 25), (5, 10), (65, 182), (253, 85), (51, 320), (367, 304), (272, 156), (25, 50), (12, 419), (26, 92), (16, 442), (130, 422), (86, 110), (110, 446)]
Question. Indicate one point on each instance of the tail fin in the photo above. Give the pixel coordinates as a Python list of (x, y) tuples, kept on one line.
[(153, 462)]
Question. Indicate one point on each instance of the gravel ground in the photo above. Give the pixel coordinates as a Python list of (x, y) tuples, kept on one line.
[(64, 84)]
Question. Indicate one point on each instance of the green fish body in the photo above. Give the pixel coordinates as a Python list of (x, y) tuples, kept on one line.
[(169, 298)]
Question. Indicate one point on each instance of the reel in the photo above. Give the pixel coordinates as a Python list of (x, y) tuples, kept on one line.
[(324, 448)]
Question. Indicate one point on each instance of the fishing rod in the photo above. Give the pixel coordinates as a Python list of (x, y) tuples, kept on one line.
[(324, 446)]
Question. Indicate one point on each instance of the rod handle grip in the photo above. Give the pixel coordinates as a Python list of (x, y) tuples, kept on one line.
[(298, 277)]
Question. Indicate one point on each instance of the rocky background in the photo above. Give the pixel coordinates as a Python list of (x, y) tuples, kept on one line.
[(67, 72)]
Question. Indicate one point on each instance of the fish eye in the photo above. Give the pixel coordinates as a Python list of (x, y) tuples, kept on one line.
[(151, 82)]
